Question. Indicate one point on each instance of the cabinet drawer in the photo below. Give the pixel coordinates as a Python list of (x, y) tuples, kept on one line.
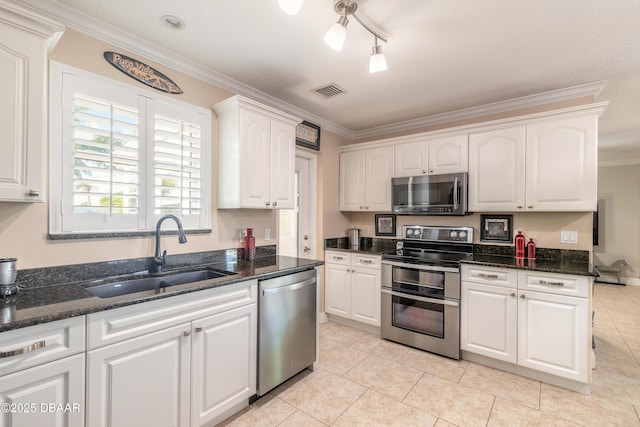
[(560, 284), (370, 261), (35, 345), (337, 257), (489, 275), (107, 327)]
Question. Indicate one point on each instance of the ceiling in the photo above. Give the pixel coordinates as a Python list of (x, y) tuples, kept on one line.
[(443, 55)]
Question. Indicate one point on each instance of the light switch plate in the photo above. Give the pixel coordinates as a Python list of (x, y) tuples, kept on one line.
[(569, 237), (267, 234)]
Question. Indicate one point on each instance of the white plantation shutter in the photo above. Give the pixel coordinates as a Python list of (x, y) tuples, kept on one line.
[(122, 157)]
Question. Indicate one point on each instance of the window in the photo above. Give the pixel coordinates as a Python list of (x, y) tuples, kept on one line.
[(121, 157)]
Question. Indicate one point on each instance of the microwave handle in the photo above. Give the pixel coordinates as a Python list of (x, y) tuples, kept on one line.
[(455, 194)]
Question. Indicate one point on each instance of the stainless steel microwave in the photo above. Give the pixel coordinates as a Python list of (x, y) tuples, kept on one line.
[(444, 194)]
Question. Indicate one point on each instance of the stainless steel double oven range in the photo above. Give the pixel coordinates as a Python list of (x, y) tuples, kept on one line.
[(421, 288)]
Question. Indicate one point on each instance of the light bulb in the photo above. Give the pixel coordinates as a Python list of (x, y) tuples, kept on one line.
[(291, 7)]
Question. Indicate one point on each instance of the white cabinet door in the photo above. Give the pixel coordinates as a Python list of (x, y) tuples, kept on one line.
[(224, 359), (497, 170), (411, 159), (449, 154), (378, 173), (23, 104), (562, 165), (337, 290), (142, 381), (283, 165), (34, 390), (553, 334), (488, 321), (365, 295), (352, 176), (255, 154)]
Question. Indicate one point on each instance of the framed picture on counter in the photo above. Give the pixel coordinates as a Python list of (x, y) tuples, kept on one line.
[(496, 228), (385, 225)]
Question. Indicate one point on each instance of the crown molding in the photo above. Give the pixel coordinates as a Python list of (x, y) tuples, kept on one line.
[(88, 25), (584, 90)]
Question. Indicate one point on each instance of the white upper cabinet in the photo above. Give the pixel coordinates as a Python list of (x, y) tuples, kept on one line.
[(365, 180), (496, 170), (256, 155), (562, 164), (23, 106), (435, 156), (543, 166)]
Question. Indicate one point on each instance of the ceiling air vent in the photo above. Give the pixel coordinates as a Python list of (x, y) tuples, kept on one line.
[(329, 91)]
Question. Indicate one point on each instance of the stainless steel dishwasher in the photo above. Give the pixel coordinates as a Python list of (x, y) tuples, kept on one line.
[(286, 328)]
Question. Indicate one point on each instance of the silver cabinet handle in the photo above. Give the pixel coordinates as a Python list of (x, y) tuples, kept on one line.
[(424, 171), (339, 258), (488, 276), (366, 207), (512, 294), (430, 170), (522, 296), (544, 282), (275, 204), (530, 207), (366, 261), (27, 349), (198, 328), (34, 192), (267, 203), (519, 207), (361, 207), (186, 332)]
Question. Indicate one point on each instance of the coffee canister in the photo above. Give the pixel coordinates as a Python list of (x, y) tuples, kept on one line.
[(353, 236), (8, 271)]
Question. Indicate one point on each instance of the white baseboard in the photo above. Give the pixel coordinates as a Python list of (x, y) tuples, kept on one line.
[(633, 281), (322, 317)]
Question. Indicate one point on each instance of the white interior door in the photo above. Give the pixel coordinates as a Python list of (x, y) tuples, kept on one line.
[(296, 227)]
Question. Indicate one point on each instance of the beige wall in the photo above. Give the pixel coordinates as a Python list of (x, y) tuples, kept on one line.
[(619, 218), (23, 226), (335, 223)]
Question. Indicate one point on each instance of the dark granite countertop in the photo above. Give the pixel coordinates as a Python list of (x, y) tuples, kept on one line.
[(563, 266), (367, 245), (49, 302)]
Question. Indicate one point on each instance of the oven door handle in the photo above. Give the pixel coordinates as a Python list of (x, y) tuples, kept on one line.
[(422, 299), (421, 267)]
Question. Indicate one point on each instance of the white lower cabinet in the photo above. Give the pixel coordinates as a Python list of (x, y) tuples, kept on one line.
[(223, 363), (195, 371), (352, 286), (546, 330), (42, 370), (49, 395)]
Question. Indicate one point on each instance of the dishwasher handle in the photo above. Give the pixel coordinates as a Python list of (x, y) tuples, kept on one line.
[(288, 288)]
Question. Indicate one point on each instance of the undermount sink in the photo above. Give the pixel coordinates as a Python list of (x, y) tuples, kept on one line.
[(158, 284)]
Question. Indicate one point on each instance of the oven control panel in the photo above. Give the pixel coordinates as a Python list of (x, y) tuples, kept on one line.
[(438, 234)]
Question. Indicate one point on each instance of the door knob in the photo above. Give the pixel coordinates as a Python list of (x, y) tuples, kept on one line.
[(306, 237), (306, 249)]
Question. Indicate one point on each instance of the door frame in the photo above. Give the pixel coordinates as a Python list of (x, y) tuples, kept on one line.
[(313, 198)]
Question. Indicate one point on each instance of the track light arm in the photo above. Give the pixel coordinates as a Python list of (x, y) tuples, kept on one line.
[(368, 28)]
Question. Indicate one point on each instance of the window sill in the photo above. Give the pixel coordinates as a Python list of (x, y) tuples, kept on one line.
[(120, 234)]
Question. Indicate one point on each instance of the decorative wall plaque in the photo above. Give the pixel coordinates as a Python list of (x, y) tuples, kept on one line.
[(308, 135), (142, 72)]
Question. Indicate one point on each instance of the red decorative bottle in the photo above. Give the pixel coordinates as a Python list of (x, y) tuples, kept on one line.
[(519, 245), (249, 245), (531, 249)]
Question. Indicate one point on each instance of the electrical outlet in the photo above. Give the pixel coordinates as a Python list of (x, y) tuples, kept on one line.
[(267, 234), (569, 237)]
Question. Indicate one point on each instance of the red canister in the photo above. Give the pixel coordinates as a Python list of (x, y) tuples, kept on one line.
[(249, 245), (531, 249), (519, 241)]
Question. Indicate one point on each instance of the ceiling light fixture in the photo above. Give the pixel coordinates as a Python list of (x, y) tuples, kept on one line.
[(337, 34), (377, 62), (173, 22), (291, 7)]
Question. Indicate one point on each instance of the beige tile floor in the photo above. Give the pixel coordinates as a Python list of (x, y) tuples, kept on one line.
[(366, 381)]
